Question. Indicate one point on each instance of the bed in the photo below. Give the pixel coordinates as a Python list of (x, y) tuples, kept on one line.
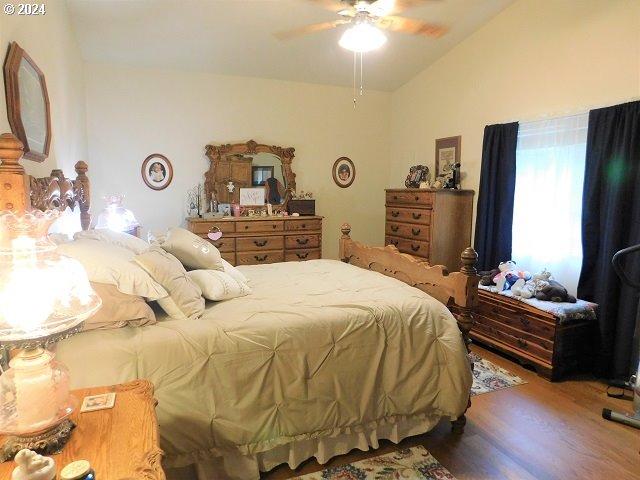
[(335, 355)]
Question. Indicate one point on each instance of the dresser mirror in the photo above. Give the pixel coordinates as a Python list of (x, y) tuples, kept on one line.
[(250, 165)]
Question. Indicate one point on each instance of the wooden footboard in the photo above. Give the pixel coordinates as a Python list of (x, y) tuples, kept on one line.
[(455, 288)]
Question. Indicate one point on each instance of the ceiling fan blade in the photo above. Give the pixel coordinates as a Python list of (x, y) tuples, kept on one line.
[(415, 27), (333, 5), (296, 32)]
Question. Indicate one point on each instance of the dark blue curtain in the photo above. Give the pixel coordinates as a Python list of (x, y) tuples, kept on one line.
[(611, 222), (494, 217)]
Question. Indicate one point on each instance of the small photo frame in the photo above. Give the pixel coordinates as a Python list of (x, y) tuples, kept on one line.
[(344, 172), (447, 154), (98, 402), (252, 196), (157, 171), (225, 209)]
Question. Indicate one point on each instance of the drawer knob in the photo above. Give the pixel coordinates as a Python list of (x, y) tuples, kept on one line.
[(394, 243), (304, 225), (274, 226), (417, 198), (394, 213), (415, 248), (416, 216), (525, 321), (395, 197), (394, 228), (260, 258), (415, 231), (302, 256), (302, 241), (522, 342), (260, 243)]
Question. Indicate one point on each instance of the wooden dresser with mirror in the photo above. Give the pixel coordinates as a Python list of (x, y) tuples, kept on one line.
[(250, 240)]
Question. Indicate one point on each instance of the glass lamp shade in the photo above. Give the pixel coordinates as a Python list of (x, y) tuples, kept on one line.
[(44, 297), (362, 37), (116, 217)]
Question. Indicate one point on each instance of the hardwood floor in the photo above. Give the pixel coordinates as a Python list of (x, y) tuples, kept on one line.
[(536, 431)]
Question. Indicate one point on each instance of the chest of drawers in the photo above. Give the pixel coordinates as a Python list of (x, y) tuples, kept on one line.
[(255, 240), (431, 224)]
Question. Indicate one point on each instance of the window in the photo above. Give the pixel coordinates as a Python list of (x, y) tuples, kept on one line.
[(550, 160)]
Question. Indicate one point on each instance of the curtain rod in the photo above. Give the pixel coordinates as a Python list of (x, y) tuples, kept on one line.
[(569, 113)]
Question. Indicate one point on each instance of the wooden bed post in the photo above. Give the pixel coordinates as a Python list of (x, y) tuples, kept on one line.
[(468, 258), (83, 193), (14, 184), (345, 229)]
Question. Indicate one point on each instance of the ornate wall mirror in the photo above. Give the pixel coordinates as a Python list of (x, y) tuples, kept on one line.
[(250, 165), (27, 103)]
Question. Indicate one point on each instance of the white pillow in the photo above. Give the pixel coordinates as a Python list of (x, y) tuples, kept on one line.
[(113, 265), (185, 297), (130, 242), (217, 285), (234, 272), (193, 251)]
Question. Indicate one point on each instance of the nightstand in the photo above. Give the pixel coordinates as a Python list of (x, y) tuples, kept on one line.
[(120, 442)]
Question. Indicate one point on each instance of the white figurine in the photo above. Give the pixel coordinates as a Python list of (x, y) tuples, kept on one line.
[(230, 186), (32, 466)]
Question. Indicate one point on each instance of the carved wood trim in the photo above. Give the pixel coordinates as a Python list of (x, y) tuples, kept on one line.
[(215, 153)]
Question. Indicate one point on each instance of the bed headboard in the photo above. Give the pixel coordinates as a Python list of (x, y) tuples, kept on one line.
[(20, 191)]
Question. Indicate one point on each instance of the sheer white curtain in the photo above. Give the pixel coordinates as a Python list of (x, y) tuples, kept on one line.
[(548, 199)]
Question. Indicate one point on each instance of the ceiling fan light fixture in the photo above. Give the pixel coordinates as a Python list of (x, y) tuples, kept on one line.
[(362, 37)]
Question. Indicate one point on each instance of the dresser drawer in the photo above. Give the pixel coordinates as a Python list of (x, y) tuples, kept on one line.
[(255, 258), (302, 241), (409, 197), (312, 224), (407, 230), (413, 247), (298, 255), (225, 244), (408, 215), (249, 244), (518, 319), (229, 257), (202, 228), (261, 226)]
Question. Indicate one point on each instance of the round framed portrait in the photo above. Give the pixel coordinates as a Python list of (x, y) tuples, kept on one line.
[(344, 172), (157, 171)]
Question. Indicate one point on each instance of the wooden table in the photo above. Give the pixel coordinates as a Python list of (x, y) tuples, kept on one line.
[(120, 443)]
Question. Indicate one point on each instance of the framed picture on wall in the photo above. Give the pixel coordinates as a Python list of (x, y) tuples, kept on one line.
[(157, 171), (447, 154), (344, 172)]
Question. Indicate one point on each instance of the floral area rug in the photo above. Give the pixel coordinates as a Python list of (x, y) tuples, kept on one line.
[(488, 377), (413, 463)]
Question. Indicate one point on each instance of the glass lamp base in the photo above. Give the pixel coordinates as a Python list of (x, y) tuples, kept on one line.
[(45, 443)]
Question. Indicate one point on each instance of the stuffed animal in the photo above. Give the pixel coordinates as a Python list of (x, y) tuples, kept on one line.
[(486, 277), (555, 292), (510, 276), (537, 282)]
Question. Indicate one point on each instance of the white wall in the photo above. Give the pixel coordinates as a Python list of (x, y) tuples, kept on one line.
[(50, 42), (538, 58), (134, 112)]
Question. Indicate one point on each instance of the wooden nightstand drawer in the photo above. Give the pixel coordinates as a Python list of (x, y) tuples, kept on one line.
[(407, 230), (302, 241), (408, 215), (409, 197)]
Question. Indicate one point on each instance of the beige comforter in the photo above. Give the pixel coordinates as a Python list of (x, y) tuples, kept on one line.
[(319, 348)]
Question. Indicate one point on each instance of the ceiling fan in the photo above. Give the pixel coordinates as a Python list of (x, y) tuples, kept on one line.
[(378, 13)]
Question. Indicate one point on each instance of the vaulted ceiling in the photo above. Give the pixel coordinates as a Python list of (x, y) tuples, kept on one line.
[(238, 37)]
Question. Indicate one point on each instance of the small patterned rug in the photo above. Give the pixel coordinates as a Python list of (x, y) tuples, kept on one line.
[(488, 377), (413, 463)]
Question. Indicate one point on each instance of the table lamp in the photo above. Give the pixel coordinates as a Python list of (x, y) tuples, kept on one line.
[(116, 217), (44, 298)]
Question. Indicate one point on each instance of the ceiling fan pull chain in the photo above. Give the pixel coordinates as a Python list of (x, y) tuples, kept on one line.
[(354, 79), (361, 55)]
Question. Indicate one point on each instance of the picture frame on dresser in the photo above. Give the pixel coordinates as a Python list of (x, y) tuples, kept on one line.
[(447, 154)]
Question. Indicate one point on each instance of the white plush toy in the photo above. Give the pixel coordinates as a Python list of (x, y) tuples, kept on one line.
[(32, 466), (537, 282)]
